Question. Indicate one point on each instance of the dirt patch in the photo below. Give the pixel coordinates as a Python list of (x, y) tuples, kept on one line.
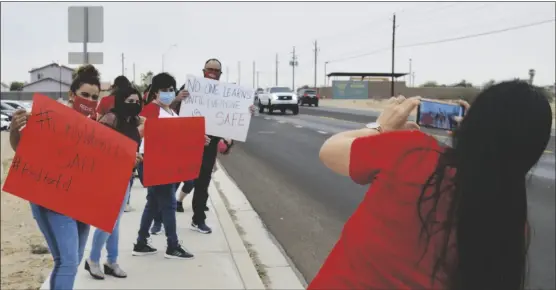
[(25, 260)]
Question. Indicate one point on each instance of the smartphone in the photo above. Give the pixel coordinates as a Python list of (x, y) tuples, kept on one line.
[(438, 115)]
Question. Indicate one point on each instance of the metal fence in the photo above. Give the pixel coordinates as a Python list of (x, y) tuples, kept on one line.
[(28, 96)]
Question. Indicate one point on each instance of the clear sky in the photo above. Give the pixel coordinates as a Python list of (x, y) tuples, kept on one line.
[(35, 34)]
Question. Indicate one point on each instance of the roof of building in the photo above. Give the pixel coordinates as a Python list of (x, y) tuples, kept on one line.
[(52, 64), (365, 74), (42, 80)]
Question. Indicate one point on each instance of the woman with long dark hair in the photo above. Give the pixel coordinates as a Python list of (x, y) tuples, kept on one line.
[(124, 118), (440, 217)]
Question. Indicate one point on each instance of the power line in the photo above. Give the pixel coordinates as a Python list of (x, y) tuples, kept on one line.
[(448, 39), (479, 34)]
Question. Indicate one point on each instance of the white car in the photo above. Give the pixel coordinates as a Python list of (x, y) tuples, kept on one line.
[(19, 104), (278, 98), (4, 122)]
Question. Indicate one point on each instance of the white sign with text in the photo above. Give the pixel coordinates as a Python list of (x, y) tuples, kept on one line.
[(224, 106)]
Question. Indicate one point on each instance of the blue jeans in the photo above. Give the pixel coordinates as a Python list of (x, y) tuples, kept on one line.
[(161, 201), (66, 239), (101, 238), (157, 222)]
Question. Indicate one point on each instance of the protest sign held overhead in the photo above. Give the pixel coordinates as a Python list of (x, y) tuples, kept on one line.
[(172, 158), (225, 106), (71, 164)]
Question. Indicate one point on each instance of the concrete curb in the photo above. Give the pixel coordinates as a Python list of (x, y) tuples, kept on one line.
[(273, 265)]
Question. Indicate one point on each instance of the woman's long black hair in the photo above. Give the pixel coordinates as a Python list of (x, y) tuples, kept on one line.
[(501, 138), (120, 95)]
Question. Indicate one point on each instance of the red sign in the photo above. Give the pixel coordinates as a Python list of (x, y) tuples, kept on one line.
[(173, 149), (71, 164)]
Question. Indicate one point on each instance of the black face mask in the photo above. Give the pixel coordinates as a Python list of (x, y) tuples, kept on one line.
[(131, 109)]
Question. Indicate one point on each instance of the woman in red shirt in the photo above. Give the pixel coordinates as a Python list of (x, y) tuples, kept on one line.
[(436, 217)]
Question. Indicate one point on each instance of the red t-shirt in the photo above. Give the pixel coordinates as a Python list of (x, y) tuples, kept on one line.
[(380, 246), (105, 105)]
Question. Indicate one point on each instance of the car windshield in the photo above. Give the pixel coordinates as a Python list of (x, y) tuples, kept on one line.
[(310, 92), (5, 106), (280, 90), (16, 105)]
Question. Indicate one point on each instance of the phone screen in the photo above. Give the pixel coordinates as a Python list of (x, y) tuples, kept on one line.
[(438, 115)]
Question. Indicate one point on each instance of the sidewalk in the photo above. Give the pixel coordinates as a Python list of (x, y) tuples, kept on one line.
[(221, 258)]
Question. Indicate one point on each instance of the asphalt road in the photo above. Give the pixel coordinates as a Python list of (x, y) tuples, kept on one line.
[(305, 205)]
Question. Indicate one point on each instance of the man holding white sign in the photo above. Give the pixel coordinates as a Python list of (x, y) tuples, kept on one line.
[(227, 109)]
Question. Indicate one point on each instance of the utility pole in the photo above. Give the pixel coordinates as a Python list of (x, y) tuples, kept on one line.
[(257, 80), (325, 77), (227, 74), (293, 63), (316, 55), (410, 74), (393, 54), (254, 73), (123, 73), (239, 72), (133, 73), (276, 69)]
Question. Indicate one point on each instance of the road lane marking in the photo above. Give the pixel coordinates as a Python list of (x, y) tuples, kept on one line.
[(281, 122), (322, 132), (298, 126)]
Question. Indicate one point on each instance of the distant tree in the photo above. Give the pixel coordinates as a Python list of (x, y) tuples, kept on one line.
[(146, 79), (463, 84), (430, 84), (16, 86)]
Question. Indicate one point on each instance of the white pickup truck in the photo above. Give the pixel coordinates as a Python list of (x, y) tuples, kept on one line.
[(278, 98)]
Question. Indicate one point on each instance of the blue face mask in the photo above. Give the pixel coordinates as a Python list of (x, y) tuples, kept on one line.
[(167, 97)]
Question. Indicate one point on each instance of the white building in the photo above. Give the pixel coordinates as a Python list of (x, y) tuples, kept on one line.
[(49, 78), (5, 88)]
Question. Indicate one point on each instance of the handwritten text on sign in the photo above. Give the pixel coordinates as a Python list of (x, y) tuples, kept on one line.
[(224, 106), (172, 158), (71, 164)]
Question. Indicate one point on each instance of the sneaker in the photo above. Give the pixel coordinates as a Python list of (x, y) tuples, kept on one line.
[(178, 253), (201, 228), (94, 269), (143, 249), (113, 269), (128, 208), (179, 207)]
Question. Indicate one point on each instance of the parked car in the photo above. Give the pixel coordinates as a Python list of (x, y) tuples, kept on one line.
[(278, 98), (7, 110), (4, 122), (308, 96), (18, 104)]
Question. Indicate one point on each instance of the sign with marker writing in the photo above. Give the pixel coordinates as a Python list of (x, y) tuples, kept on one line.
[(224, 106), (71, 164), (170, 157)]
